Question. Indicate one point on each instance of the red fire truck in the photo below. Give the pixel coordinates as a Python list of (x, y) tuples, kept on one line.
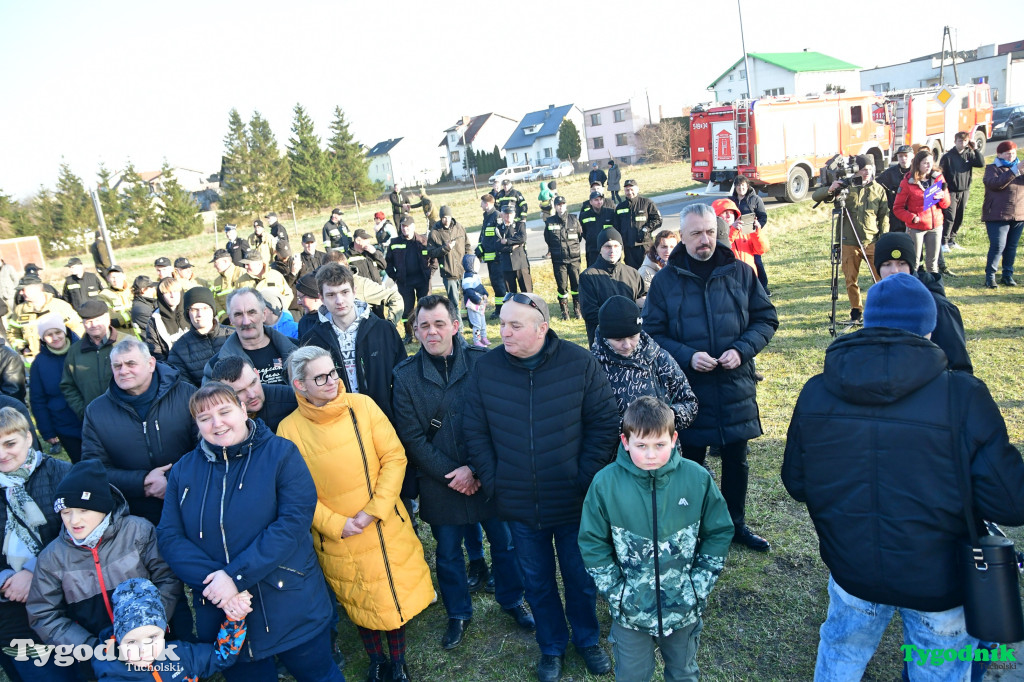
[(779, 143)]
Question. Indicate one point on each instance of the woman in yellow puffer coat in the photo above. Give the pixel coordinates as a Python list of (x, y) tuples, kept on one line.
[(369, 552)]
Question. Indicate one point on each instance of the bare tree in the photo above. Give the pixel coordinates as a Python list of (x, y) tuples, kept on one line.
[(665, 141)]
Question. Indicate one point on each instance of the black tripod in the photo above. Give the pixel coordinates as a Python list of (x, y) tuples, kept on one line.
[(839, 215)]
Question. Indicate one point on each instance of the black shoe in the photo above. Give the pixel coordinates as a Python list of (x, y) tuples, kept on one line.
[(991, 283), (946, 272), (549, 668), (455, 633), (477, 575), (523, 617), (744, 536), (1008, 281), (758, 377), (856, 316), (489, 587), (596, 659), (399, 673), (378, 672)]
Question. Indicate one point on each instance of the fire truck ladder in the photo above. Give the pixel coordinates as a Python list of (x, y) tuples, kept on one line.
[(900, 122), (743, 133)]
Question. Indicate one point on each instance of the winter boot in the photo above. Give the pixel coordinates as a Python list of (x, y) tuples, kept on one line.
[(564, 305), (496, 315), (576, 307), (477, 575), (408, 332)]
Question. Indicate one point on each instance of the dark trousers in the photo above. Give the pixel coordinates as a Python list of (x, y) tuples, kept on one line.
[(734, 475), (72, 446), (953, 216), (497, 277), (451, 568), (567, 277), (412, 292), (519, 280), (308, 662), (616, 197), (536, 550), (762, 276)]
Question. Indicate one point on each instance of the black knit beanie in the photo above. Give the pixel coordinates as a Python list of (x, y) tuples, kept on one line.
[(85, 487)]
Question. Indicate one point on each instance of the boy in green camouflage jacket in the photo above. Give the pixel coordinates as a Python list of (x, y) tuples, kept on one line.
[(650, 493)]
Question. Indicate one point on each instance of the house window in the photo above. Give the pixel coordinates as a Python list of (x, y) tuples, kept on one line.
[(515, 157), (881, 87), (620, 140), (856, 115), (743, 74), (453, 138), (620, 115), (597, 143), (455, 157), (595, 119), (548, 153), (979, 80), (774, 92)]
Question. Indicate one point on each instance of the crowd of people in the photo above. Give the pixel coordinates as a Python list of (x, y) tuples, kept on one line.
[(265, 444)]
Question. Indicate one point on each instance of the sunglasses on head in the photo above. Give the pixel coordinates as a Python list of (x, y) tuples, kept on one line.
[(525, 300)]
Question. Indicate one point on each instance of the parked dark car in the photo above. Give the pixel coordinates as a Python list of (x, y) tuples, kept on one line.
[(1008, 121)]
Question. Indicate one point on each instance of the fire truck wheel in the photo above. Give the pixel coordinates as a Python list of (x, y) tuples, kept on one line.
[(979, 142), (796, 185)]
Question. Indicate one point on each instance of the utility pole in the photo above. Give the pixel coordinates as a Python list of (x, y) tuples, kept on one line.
[(746, 60), (102, 223)]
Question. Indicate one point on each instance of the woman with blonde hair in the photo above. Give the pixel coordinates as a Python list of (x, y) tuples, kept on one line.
[(367, 547)]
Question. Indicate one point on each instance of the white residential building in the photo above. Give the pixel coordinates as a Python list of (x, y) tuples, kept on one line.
[(403, 161), (611, 131), (535, 139), (483, 133), (1001, 66), (785, 73)]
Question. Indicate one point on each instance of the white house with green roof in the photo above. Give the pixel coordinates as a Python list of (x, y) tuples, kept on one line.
[(785, 73)]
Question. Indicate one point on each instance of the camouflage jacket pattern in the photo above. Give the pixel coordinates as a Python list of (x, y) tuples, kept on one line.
[(656, 593)]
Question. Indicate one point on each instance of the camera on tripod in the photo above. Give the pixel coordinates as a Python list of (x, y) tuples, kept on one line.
[(841, 169)]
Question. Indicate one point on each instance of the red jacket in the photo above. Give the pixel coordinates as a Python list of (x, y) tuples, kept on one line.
[(909, 204), (746, 246)]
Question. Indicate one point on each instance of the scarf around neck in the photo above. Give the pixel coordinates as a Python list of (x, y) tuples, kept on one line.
[(22, 543), (1012, 165), (93, 538)]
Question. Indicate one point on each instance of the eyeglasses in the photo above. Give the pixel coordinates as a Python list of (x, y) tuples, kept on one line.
[(525, 300), (321, 379)]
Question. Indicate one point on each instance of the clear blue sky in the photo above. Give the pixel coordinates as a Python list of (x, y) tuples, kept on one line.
[(113, 80)]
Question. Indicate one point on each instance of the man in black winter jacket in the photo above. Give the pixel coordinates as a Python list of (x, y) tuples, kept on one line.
[(878, 448), (540, 422), (80, 286), (595, 217), (637, 219), (365, 348), (608, 277), (429, 395), (140, 426), (958, 166), (891, 178), (895, 252), (707, 309), (563, 235), (203, 340)]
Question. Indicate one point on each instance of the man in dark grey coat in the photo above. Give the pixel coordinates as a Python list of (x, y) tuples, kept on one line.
[(708, 311), (428, 396)]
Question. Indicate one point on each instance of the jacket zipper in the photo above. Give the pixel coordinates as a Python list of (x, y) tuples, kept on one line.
[(99, 576), (149, 447), (223, 494), (387, 568), (657, 563), (711, 336)]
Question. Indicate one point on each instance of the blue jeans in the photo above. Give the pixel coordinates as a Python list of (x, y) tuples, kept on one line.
[(853, 628), (453, 290), (1003, 237), (474, 541), (536, 555), (308, 662), (451, 568)]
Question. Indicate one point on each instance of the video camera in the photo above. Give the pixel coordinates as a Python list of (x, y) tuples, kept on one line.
[(839, 169)]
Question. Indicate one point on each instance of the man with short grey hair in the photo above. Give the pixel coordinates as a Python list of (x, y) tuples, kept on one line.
[(140, 426), (712, 315), (266, 347), (540, 420)]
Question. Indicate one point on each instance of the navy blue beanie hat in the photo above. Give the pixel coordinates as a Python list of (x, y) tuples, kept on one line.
[(137, 603), (900, 301)]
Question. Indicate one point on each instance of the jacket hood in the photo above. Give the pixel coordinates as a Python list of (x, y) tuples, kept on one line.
[(622, 459), (722, 255), (933, 281), (879, 366)]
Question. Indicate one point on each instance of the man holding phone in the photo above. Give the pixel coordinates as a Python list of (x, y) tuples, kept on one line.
[(958, 166)]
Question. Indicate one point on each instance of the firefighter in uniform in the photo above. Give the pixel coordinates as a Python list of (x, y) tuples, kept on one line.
[(229, 278), (118, 297), (512, 197), (563, 235), (80, 286), (336, 234), (22, 334), (487, 252), (511, 238), (637, 219), (364, 258), (595, 218)]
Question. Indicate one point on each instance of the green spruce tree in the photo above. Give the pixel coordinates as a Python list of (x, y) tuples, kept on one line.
[(569, 147), (140, 214), (43, 223), (74, 217), (179, 216), (310, 175), (235, 168), (347, 162), (270, 190)]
